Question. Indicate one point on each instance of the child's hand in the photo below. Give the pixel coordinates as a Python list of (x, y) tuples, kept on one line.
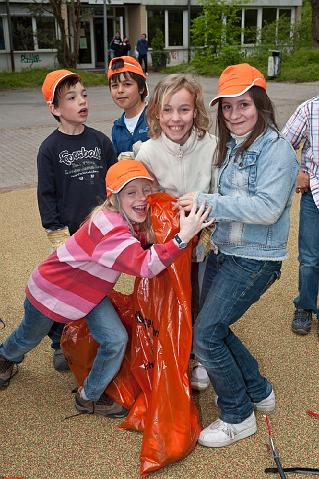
[(302, 182), (186, 201), (193, 223)]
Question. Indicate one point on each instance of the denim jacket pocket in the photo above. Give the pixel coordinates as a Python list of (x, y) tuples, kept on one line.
[(245, 172)]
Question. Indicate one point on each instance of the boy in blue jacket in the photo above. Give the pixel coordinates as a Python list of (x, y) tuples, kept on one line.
[(127, 83)]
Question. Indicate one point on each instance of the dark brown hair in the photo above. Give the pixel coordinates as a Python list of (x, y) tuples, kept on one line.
[(266, 119), (141, 84)]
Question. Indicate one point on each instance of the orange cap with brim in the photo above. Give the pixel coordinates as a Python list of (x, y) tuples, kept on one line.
[(236, 80), (51, 82), (129, 65), (122, 172)]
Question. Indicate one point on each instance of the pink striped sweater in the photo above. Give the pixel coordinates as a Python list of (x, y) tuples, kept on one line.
[(79, 274)]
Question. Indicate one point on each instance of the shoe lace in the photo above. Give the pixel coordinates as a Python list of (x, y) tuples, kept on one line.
[(104, 399), (74, 391), (302, 316), (220, 425)]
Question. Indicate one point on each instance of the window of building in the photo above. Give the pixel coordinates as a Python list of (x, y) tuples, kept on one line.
[(2, 45), (250, 26), (46, 32), (285, 12), (155, 20), (175, 28), (22, 33), (269, 16)]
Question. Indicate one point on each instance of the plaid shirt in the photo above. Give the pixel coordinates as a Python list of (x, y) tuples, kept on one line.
[(303, 125)]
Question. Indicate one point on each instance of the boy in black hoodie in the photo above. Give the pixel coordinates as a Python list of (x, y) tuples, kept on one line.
[(72, 164)]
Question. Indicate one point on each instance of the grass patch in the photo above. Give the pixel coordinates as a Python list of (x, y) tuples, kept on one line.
[(35, 77), (300, 66)]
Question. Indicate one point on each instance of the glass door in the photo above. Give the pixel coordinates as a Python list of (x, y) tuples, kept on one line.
[(86, 51)]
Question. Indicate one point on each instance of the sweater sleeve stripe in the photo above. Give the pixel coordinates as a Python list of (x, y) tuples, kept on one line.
[(71, 250), (107, 251), (138, 262), (104, 223), (58, 299)]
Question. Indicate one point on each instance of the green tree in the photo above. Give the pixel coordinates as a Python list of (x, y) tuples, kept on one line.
[(69, 43), (159, 56), (315, 23), (216, 26)]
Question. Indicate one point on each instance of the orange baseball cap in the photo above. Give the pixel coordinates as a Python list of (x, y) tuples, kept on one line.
[(129, 65), (235, 80), (51, 82), (122, 172)]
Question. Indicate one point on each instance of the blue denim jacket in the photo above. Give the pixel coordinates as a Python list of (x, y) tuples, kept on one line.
[(122, 139), (253, 201)]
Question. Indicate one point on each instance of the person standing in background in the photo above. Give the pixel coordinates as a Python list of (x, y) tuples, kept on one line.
[(142, 49), (125, 47), (115, 45), (302, 126)]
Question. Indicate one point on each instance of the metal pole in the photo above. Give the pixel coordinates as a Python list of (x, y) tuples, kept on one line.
[(10, 36), (106, 47)]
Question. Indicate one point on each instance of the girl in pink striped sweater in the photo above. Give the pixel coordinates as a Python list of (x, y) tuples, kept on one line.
[(75, 280)]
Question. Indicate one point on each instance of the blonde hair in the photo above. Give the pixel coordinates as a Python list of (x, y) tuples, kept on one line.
[(113, 204), (168, 86)]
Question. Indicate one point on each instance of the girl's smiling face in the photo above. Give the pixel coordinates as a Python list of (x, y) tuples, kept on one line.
[(240, 114), (176, 116), (133, 199)]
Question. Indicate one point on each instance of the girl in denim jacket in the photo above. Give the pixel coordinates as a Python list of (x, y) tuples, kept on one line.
[(258, 169)]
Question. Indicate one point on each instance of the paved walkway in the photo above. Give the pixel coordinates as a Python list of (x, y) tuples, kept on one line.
[(25, 121), (38, 443)]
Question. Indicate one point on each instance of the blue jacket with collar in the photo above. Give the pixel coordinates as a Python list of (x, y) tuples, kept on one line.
[(122, 139), (253, 201)]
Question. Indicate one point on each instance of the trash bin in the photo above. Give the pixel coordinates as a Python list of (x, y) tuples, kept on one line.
[(274, 61)]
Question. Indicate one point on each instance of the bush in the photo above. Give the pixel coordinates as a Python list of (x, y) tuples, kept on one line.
[(159, 56)]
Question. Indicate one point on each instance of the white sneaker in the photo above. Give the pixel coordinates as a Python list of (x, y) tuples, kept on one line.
[(220, 433), (266, 405), (199, 378)]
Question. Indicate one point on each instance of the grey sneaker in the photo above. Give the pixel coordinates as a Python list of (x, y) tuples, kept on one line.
[(301, 324), (105, 406), (8, 369), (59, 362), (199, 378)]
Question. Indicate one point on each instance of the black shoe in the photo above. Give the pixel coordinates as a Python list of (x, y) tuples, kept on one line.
[(59, 362), (105, 406), (301, 324), (8, 369)]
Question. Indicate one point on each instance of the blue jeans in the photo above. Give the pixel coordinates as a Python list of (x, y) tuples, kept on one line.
[(230, 287), (55, 334), (308, 244), (105, 327)]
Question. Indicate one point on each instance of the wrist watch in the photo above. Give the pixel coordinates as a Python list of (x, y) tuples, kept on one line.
[(181, 244)]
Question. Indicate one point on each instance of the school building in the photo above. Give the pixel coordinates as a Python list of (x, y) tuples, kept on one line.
[(26, 38)]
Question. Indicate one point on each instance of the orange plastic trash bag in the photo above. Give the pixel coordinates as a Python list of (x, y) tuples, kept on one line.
[(80, 348), (161, 346), (153, 381)]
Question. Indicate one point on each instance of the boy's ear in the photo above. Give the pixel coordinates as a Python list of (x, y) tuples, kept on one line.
[(54, 110)]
